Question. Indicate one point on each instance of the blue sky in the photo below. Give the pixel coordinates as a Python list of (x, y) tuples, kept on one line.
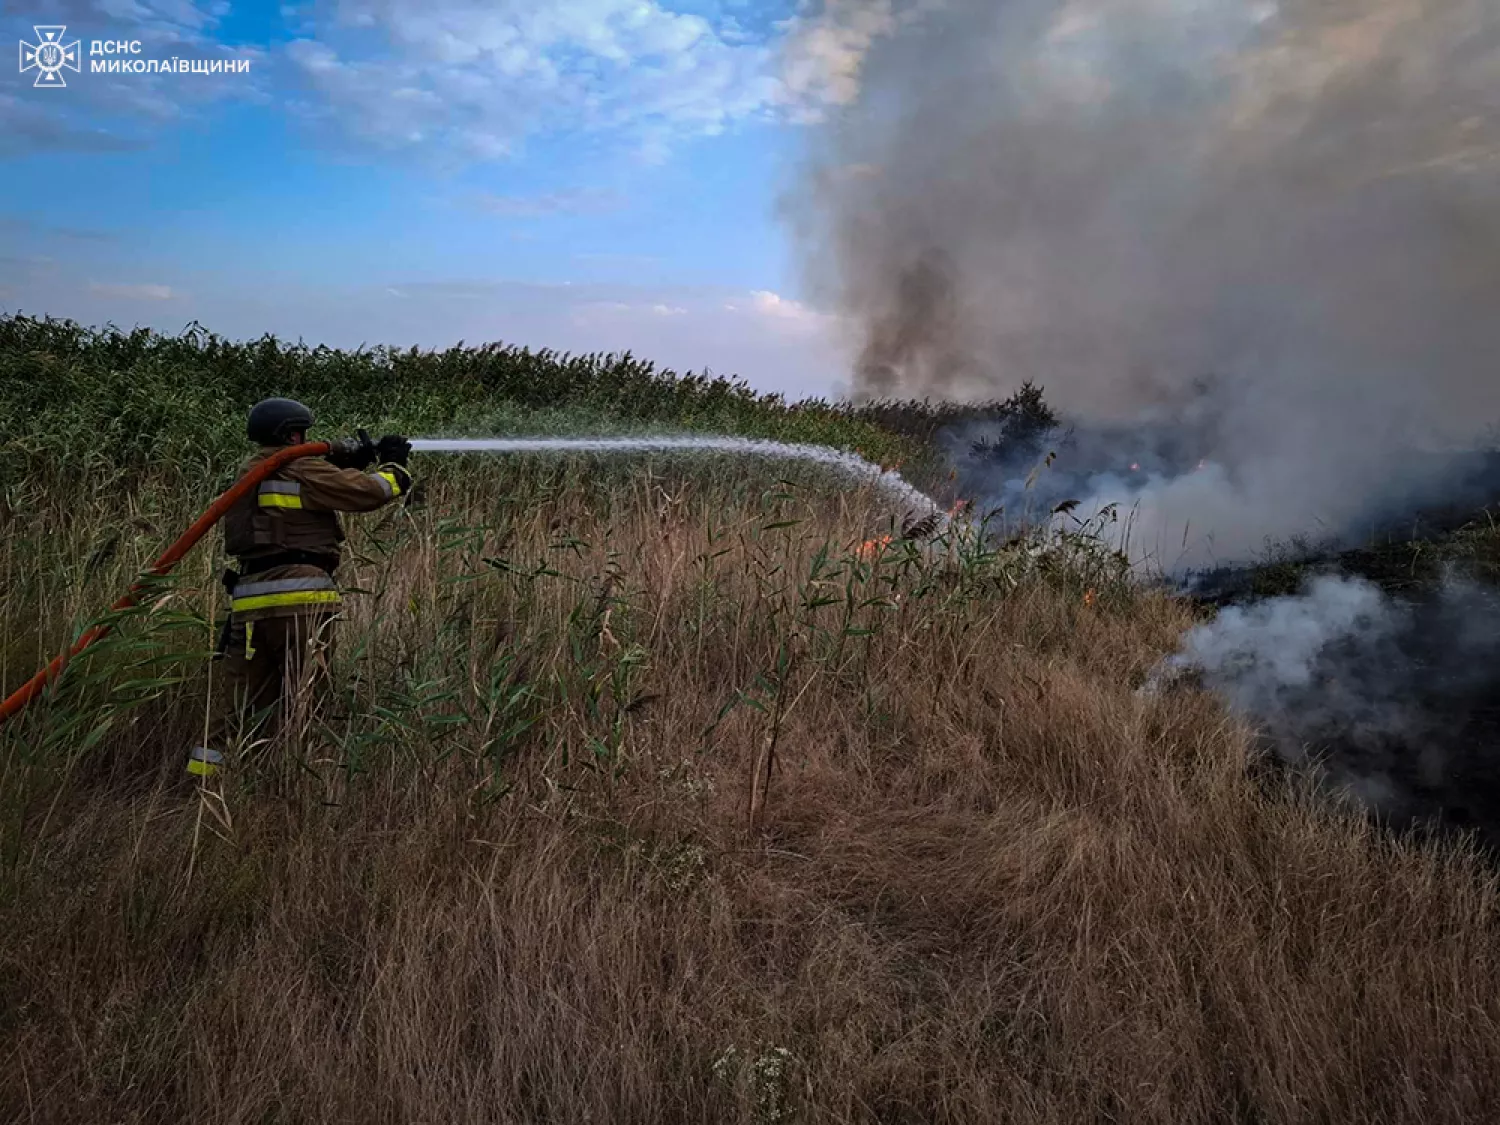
[(578, 174)]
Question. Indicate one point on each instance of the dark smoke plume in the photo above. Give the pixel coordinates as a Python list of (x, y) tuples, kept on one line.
[(1298, 201)]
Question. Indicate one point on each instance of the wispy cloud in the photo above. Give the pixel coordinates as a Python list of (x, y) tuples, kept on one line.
[(144, 292), (465, 81), (477, 80), (480, 79), (28, 268), (617, 259), (18, 261), (640, 310), (594, 308), (760, 311), (28, 225), (583, 201), (29, 126), (470, 290), (83, 234)]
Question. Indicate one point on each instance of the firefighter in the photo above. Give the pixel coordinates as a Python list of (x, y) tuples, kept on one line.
[(286, 540)]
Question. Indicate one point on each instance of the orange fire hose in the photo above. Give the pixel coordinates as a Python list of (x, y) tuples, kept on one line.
[(28, 691)]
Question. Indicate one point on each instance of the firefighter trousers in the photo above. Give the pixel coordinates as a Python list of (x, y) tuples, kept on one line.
[(273, 677)]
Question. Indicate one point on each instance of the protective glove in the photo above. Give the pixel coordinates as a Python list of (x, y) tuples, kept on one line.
[(393, 449), (353, 453)]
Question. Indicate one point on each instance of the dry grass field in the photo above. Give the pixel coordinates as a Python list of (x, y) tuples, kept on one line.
[(642, 796)]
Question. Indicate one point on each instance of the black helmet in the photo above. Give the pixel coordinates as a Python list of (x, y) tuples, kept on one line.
[(271, 421)]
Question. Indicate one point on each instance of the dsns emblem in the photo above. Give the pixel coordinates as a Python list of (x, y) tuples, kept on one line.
[(49, 56)]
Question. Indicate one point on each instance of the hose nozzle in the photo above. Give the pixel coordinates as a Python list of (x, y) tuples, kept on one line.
[(353, 452)]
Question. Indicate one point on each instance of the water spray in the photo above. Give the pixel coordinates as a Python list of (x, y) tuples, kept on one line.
[(851, 466)]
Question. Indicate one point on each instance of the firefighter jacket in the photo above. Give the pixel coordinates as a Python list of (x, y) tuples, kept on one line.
[(286, 536)]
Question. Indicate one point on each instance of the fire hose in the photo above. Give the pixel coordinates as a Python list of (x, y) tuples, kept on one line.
[(18, 699)]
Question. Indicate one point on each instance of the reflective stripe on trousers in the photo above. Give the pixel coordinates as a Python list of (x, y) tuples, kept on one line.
[(319, 590), (203, 761)]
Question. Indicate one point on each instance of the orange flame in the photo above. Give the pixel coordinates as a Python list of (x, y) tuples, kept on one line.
[(872, 547), (1089, 598)]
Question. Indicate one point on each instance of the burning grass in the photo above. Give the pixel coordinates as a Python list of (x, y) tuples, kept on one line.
[(516, 878)]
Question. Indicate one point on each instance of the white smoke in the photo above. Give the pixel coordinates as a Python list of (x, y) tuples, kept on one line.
[(1116, 198), (1268, 659), (1396, 702)]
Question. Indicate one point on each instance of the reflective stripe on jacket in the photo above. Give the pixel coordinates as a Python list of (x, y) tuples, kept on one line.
[(279, 494), (297, 510), (390, 480)]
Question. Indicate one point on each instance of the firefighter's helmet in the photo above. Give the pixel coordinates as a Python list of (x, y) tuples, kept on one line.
[(274, 419)]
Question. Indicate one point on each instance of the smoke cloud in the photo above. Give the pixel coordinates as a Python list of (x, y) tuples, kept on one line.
[(1283, 217), (1396, 702)]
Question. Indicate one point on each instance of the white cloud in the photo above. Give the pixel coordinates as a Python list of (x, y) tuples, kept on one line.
[(824, 54), (145, 292), (471, 80), (783, 313), (774, 304), (478, 78)]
